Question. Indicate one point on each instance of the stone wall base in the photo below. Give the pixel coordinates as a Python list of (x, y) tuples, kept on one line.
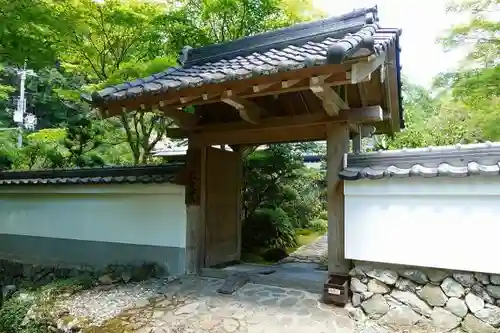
[(13, 274), (442, 299)]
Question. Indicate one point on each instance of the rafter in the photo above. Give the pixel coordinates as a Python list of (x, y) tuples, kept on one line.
[(261, 86), (249, 111), (332, 102)]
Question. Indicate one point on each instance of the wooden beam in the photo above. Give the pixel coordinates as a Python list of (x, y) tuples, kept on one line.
[(249, 111), (181, 118), (260, 136), (337, 146), (277, 129), (362, 70), (365, 115), (355, 116), (332, 102)]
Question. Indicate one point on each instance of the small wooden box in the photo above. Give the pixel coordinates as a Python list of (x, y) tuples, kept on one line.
[(336, 290)]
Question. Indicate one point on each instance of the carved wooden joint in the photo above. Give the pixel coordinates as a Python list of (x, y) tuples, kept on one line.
[(332, 102), (249, 111), (181, 118)]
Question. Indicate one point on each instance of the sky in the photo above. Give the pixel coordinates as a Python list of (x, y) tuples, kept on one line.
[(422, 21)]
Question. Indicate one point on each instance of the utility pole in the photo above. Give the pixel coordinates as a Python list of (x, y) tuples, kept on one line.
[(21, 104)]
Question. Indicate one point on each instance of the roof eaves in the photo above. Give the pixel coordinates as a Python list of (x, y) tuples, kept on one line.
[(106, 175), (450, 161)]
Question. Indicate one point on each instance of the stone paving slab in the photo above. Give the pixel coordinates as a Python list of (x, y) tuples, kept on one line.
[(192, 304), (314, 252)]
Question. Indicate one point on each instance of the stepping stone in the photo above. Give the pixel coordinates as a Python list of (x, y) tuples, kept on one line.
[(233, 282)]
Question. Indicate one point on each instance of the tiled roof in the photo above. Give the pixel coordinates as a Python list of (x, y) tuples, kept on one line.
[(304, 45), (450, 161), (107, 175)]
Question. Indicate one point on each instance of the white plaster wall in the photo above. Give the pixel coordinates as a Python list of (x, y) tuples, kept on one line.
[(135, 214), (451, 223)]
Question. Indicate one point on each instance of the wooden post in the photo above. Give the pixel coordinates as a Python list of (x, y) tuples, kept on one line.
[(337, 145), (356, 143), (195, 210)]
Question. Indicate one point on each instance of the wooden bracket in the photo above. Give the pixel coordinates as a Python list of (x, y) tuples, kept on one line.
[(360, 71), (181, 118), (332, 102), (249, 111)]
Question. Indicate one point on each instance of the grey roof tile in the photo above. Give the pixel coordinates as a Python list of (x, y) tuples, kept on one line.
[(447, 161), (303, 45), (107, 175)]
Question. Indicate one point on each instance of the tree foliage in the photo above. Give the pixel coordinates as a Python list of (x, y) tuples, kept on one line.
[(464, 105)]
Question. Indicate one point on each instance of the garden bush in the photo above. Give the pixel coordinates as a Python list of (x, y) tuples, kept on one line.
[(323, 215), (275, 254), (268, 228), (319, 225)]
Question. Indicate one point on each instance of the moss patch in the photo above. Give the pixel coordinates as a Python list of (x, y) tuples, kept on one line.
[(38, 305)]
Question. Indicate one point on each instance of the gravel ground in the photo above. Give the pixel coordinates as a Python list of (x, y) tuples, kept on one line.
[(107, 301)]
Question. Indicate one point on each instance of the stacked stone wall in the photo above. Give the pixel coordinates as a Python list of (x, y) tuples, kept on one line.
[(442, 299)]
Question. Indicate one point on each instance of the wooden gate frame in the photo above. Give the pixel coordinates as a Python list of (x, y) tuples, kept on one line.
[(355, 85)]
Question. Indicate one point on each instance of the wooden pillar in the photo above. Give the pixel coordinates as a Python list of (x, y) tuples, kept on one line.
[(195, 210), (356, 143), (337, 145)]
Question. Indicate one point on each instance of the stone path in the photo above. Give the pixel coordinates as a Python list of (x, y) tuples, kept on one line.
[(193, 305), (315, 252)]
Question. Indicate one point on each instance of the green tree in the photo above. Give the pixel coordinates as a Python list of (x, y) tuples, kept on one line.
[(200, 22), (476, 84), (29, 30), (83, 137), (42, 150), (114, 41)]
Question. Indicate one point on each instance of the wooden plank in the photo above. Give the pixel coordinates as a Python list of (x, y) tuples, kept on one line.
[(337, 146), (249, 111)]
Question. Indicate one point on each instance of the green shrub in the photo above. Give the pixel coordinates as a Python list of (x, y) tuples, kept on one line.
[(275, 254), (268, 228), (319, 225), (12, 316), (323, 215)]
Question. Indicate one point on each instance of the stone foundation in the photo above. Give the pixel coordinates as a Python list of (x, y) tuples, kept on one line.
[(407, 296), (13, 275)]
